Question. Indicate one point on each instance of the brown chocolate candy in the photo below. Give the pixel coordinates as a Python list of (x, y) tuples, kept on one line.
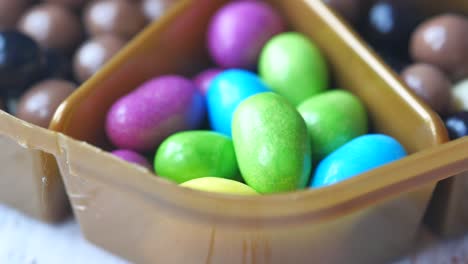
[(11, 11), (443, 42), (153, 9), (75, 4), (349, 9), (93, 54), (52, 26), (430, 84), (116, 17), (39, 103)]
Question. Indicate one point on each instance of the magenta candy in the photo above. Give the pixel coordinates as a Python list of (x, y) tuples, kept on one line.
[(141, 120), (203, 79), (239, 30), (132, 157)]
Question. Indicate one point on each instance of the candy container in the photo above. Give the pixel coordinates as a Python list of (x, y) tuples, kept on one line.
[(238, 31), (195, 154), (357, 156), (39, 103), (227, 90), (333, 118), (132, 157), (142, 119), (219, 185), (430, 84), (271, 144), (293, 66)]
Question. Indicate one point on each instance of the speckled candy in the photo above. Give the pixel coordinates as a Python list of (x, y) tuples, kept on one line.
[(227, 90), (239, 30), (132, 157), (204, 78), (195, 154), (219, 185), (293, 66), (357, 156), (271, 144), (141, 120), (333, 118)]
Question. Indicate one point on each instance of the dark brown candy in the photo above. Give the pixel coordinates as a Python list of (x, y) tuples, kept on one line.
[(443, 41), (76, 4), (39, 103), (430, 84), (52, 26), (11, 11), (93, 54), (117, 17), (349, 9)]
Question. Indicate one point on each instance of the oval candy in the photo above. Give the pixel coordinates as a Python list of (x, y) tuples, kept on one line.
[(194, 154), (271, 144), (357, 156), (219, 185)]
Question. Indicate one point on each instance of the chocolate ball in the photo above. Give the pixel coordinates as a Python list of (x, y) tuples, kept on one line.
[(20, 62), (52, 26), (457, 125), (11, 11), (430, 84), (39, 103), (117, 17), (75, 4), (443, 41), (93, 54), (349, 9), (389, 25), (153, 9)]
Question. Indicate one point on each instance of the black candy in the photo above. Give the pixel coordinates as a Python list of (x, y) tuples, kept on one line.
[(389, 25), (55, 65), (457, 125), (20, 62)]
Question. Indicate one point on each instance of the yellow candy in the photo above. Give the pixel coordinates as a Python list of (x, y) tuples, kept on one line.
[(219, 185)]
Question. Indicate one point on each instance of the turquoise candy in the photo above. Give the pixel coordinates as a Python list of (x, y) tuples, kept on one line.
[(357, 156)]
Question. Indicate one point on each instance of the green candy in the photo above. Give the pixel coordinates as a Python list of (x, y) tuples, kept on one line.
[(271, 144), (219, 185), (293, 66), (333, 118), (194, 154)]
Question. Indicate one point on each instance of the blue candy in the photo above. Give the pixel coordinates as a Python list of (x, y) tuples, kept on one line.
[(226, 91), (357, 156)]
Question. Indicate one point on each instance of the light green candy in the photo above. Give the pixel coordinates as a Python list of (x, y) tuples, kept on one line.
[(219, 185), (271, 144), (194, 154), (293, 66), (333, 118)]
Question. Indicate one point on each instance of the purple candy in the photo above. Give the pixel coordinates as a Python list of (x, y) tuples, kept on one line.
[(133, 157), (203, 79), (239, 30), (141, 120)]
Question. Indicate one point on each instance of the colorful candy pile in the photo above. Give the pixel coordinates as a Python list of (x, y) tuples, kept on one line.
[(429, 53), (275, 124), (51, 46)]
